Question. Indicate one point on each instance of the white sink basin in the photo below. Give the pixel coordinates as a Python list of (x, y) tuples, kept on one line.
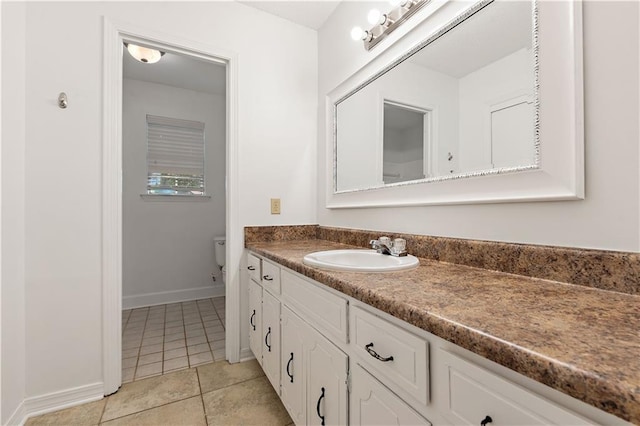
[(359, 261)]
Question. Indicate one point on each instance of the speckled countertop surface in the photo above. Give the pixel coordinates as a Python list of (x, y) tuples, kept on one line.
[(582, 341)]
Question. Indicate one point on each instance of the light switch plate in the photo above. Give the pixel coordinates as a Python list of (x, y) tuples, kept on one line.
[(275, 206)]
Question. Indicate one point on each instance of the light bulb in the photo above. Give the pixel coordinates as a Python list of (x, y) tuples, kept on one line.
[(374, 16), (357, 33), (144, 54)]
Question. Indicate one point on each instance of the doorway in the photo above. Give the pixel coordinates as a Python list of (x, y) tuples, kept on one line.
[(116, 34)]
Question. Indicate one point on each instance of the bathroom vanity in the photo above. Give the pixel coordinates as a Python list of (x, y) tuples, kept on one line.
[(440, 344)]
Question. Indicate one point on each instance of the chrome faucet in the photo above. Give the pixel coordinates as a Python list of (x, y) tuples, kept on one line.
[(383, 245)]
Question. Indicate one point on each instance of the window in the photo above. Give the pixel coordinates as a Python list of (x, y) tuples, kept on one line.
[(175, 156)]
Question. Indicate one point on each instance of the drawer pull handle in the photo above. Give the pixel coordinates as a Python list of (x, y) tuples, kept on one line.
[(253, 315), (251, 268), (288, 365), (318, 407), (486, 420), (266, 337), (267, 278), (374, 354)]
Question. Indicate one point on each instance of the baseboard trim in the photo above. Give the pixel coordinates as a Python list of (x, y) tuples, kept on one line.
[(55, 401), (246, 355), (18, 417), (172, 296)]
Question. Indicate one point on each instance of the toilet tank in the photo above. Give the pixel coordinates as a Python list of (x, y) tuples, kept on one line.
[(220, 247)]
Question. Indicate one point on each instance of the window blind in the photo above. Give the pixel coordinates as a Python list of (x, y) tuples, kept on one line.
[(175, 147)]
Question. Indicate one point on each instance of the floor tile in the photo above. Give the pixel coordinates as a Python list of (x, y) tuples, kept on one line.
[(176, 344), (175, 353), (156, 334), (153, 392), (174, 330), (194, 333), (176, 363), (148, 370), (131, 344), (170, 324), (146, 350), (185, 412), (149, 359), (127, 374), (153, 333), (201, 358), (196, 340), (174, 337), (148, 341), (196, 349), (128, 353), (85, 414), (129, 362), (251, 402), (221, 374)]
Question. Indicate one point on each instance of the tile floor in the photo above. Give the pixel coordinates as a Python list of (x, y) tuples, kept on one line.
[(217, 393), (165, 338)]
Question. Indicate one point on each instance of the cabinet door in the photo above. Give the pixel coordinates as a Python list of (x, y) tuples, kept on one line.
[(255, 320), (326, 382), (271, 339), (293, 380), (373, 404)]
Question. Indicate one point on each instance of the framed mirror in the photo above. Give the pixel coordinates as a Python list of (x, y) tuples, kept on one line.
[(485, 108)]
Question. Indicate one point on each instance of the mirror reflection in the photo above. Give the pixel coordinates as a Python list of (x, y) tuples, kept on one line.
[(462, 105)]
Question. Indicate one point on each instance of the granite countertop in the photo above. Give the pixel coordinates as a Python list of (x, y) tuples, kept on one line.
[(582, 341)]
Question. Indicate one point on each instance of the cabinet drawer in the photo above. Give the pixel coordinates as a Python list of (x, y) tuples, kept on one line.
[(253, 265), (475, 393), (324, 310), (271, 277), (376, 340)]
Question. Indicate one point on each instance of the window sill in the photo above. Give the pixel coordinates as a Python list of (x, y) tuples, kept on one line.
[(175, 198)]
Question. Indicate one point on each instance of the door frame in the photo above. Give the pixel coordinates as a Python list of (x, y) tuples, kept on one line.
[(115, 33)]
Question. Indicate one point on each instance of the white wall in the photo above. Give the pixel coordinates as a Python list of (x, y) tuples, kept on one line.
[(168, 250), (277, 89), (12, 292), (606, 219)]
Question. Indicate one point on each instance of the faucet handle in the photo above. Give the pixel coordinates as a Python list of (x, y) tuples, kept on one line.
[(385, 241), (374, 244)]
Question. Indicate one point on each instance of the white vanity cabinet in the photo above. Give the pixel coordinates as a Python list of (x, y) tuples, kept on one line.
[(294, 332), (314, 374), (336, 360), (271, 338), (264, 318), (372, 403), (255, 319)]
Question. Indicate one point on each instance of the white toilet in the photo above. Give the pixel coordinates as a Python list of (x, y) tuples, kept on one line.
[(221, 255)]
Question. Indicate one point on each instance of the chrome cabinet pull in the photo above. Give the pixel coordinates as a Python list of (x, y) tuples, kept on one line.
[(289, 364), (266, 337), (486, 420), (318, 407), (267, 278), (253, 315), (374, 354)]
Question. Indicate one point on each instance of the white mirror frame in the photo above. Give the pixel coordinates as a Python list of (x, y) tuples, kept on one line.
[(560, 172)]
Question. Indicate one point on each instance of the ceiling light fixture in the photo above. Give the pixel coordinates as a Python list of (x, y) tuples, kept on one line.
[(385, 23), (144, 54)]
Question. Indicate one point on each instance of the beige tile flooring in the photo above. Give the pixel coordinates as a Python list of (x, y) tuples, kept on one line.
[(164, 338), (217, 393)]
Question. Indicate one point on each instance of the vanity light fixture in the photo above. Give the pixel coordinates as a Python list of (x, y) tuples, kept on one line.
[(385, 23), (144, 54)]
